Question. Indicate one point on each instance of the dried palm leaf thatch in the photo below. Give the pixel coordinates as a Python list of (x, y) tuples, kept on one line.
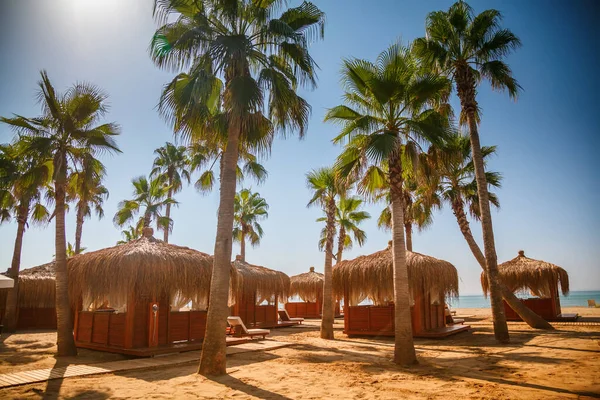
[(37, 287), (372, 277), (523, 273), (146, 266), (308, 286), (258, 283)]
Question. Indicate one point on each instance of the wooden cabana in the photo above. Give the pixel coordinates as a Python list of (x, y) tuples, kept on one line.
[(538, 278), (143, 297), (257, 294), (371, 278), (36, 298), (308, 287)]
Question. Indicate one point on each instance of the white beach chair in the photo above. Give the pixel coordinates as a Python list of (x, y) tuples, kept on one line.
[(240, 329)]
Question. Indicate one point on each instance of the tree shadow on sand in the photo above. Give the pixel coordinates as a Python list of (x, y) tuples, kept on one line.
[(251, 390)]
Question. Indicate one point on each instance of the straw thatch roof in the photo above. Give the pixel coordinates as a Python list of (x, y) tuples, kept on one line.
[(264, 283), (372, 277), (148, 266), (308, 286), (523, 273), (37, 286)]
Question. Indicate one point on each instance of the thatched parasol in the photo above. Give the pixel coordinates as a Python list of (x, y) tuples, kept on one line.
[(524, 273), (264, 283), (308, 286), (37, 286), (147, 266), (372, 277)]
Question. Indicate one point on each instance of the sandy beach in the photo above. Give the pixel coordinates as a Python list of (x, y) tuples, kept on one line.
[(560, 364)]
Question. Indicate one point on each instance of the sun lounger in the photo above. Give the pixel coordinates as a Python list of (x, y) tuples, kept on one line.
[(285, 317), (450, 318), (240, 329), (592, 303)]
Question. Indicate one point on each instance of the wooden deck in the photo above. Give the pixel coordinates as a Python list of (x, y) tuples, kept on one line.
[(42, 375), (565, 318), (443, 332)]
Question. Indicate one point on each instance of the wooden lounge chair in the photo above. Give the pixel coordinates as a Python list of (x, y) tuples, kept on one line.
[(592, 303), (450, 318), (285, 317), (240, 329)]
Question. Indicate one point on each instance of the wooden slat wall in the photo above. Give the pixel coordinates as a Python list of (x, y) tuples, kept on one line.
[(140, 322), (197, 324), (84, 326), (545, 308), (116, 336), (179, 329), (100, 328), (36, 318)]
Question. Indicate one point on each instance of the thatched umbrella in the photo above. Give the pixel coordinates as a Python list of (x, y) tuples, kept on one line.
[(264, 283), (524, 273), (308, 286), (147, 266), (372, 277)]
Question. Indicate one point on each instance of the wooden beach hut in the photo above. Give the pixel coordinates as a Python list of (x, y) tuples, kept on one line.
[(257, 294), (538, 278), (36, 298), (371, 278), (144, 297), (308, 287)]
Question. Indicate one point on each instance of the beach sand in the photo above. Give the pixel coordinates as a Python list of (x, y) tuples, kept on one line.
[(564, 363)]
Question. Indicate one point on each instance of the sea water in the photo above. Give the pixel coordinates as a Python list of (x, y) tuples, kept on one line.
[(573, 299)]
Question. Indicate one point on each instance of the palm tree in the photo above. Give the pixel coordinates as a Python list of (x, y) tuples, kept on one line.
[(390, 106), (172, 162), (23, 180), (71, 250), (131, 233), (326, 187), (149, 197), (86, 190), (262, 60), (451, 167), (347, 218), (248, 208), (469, 48), (68, 128)]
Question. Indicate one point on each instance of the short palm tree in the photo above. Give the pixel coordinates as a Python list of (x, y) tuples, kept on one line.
[(348, 217), (469, 48), (22, 181), (68, 128), (171, 162), (86, 190), (131, 233), (389, 104), (249, 208), (262, 60), (149, 198)]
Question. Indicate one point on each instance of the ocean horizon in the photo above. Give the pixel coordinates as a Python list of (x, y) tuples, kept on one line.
[(573, 299)]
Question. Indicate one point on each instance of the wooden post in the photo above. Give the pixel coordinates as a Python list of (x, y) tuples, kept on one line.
[(78, 308), (346, 309), (276, 310), (129, 320)]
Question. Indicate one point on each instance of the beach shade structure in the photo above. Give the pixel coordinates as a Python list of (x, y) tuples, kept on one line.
[(369, 279), (257, 294), (144, 297), (308, 287), (535, 277), (36, 298)]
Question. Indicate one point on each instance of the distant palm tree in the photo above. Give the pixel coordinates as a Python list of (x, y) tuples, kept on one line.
[(249, 208), (68, 128), (469, 48), (390, 106), (262, 59), (22, 180), (173, 164), (71, 251), (131, 233), (347, 218), (86, 190), (149, 197), (326, 187)]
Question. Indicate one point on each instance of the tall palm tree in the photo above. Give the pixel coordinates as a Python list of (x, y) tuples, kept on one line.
[(451, 168), (347, 218), (173, 163), (262, 60), (149, 198), (326, 188), (249, 208), (389, 107), (469, 48), (68, 128), (22, 181), (131, 233), (86, 190)]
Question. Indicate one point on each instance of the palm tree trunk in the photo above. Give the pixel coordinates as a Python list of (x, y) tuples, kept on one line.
[(147, 219), (408, 229), (212, 359), (78, 229), (466, 92), (328, 310), (64, 322), (404, 349), (530, 317), (168, 211), (11, 313), (341, 242), (243, 245)]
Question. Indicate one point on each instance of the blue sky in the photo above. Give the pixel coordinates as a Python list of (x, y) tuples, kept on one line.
[(547, 141)]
